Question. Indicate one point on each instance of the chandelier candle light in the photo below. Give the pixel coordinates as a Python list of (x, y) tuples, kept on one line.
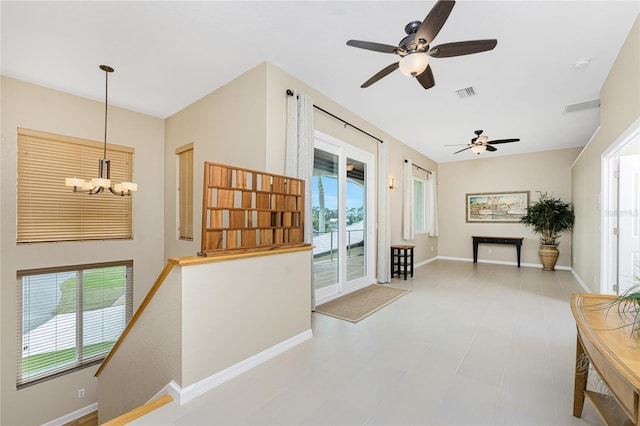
[(103, 181)]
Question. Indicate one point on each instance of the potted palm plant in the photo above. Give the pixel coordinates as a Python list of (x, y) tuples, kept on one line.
[(549, 216)]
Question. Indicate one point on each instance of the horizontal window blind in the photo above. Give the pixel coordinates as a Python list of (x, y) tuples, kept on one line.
[(70, 317), (185, 192), (50, 211)]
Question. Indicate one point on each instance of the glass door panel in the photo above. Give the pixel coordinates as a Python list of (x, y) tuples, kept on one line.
[(356, 234), (325, 218), (342, 214)]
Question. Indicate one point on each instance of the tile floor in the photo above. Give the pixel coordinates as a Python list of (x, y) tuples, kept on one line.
[(471, 344)]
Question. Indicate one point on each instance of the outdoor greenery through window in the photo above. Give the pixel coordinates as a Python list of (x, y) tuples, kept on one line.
[(70, 317), (50, 211), (419, 205), (185, 192)]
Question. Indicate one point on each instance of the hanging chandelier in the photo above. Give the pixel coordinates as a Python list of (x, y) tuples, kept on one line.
[(103, 181)]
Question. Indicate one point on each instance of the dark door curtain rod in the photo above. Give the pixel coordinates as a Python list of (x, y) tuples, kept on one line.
[(421, 168), (346, 123)]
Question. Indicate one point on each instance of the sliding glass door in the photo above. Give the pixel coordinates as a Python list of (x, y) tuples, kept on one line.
[(342, 215), (356, 236), (325, 208)]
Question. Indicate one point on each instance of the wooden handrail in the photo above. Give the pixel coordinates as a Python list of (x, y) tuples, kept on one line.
[(140, 411), (239, 254), (193, 260), (141, 308)]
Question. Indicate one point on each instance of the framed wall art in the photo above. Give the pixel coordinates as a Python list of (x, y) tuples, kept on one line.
[(497, 207)]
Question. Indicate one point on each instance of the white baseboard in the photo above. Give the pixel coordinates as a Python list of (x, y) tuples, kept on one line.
[(182, 396), (172, 389), (501, 262), (562, 268), (186, 394), (73, 416), (580, 281), (424, 262), (460, 259)]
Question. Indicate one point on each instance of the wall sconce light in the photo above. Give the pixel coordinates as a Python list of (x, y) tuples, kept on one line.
[(392, 182)]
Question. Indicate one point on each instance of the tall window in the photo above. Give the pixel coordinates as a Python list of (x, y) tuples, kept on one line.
[(185, 192), (50, 211), (419, 205), (70, 317)]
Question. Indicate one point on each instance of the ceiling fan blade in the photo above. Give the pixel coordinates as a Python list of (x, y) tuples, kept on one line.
[(491, 148), (434, 21), (460, 48), (376, 47), (502, 141), (426, 78), (463, 149), (382, 73)]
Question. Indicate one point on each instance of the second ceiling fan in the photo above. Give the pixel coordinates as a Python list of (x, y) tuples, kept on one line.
[(482, 143), (414, 50)]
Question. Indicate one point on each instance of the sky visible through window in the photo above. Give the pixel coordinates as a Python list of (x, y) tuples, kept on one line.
[(355, 193)]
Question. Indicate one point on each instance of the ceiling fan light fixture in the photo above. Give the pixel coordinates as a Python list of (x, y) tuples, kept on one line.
[(482, 139), (478, 149), (414, 64)]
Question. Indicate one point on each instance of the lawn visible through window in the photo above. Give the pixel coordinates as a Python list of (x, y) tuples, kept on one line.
[(70, 318)]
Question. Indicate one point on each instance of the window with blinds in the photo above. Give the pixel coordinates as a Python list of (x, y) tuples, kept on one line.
[(70, 317), (185, 192), (50, 211)]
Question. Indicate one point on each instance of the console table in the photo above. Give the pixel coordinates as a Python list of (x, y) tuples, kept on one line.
[(496, 240), (613, 353)]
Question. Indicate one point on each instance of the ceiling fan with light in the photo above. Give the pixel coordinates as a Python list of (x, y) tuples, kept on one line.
[(481, 143), (414, 50)]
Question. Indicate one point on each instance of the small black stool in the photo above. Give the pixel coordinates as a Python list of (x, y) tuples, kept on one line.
[(401, 261)]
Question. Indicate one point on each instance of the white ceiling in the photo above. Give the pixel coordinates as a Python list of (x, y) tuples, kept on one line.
[(167, 54)]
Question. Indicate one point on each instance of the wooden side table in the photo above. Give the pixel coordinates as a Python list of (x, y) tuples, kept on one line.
[(401, 261), (605, 343)]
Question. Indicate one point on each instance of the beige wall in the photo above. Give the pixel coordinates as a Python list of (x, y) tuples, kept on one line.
[(243, 124), (279, 81), (30, 106), (242, 307), (547, 171), (251, 134), (620, 107), (426, 247), (226, 126), (149, 357), (205, 318)]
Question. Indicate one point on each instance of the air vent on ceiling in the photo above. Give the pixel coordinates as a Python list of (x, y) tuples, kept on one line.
[(466, 92), (581, 106)]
